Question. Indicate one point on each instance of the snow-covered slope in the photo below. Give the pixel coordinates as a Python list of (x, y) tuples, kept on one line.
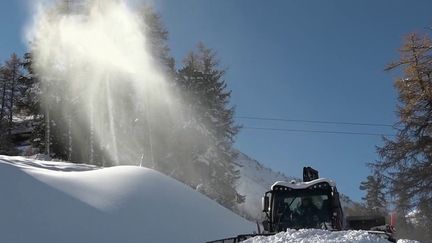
[(60, 202), (255, 180), (314, 235)]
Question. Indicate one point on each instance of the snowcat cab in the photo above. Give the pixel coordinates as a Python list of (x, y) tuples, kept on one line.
[(313, 203)]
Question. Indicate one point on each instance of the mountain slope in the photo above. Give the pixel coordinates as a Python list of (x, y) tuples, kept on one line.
[(62, 202), (255, 180)]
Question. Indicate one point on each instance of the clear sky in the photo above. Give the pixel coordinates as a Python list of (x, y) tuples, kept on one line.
[(294, 59)]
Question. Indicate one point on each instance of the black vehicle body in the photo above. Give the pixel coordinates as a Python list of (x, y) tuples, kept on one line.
[(283, 205), (278, 206)]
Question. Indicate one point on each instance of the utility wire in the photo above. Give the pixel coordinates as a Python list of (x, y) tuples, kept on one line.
[(313, 121), (316, 131)]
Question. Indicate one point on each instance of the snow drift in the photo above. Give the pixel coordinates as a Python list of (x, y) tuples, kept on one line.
[(315, 235), (62, 202)]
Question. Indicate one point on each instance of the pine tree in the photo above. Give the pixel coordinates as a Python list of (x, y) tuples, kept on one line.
[(30, 104), (6, 145), (406, 160), (42, 99), (402, 201), (157, 33), (211, 116), (29, 91), (375, 199), (10, 83), (409, 155), (4, 85), (423, 219), (154, 132), (11, 74)]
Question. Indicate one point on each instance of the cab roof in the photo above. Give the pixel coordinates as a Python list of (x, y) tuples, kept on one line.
[(302, 185)]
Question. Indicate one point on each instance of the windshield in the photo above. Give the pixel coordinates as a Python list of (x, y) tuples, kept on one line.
[(311, 211)]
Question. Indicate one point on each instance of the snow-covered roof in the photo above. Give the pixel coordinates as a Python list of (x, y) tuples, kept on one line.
[(302, 185)]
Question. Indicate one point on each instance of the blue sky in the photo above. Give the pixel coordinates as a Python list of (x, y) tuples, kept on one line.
[(296, 59)]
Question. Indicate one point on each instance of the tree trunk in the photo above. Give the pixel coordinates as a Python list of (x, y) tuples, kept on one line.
[(12, 97), (47, 132), (3, 103), (91, 159), (70, 138)]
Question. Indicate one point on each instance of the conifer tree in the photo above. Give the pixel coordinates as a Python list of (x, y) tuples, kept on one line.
[(6, 145), (409, 155), (207, 98), (10, 82), (30, 104), (157, 33), (4, 86), (406, 160), (11, 74), (374, 199), (423, 219)]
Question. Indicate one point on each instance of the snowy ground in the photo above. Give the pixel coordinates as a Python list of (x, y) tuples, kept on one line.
[(62, 202), (314, 235)]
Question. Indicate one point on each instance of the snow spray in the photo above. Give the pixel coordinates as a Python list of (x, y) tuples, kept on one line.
[(96, 69)]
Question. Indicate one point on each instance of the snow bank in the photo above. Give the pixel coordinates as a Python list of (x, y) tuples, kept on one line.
[(61, 202), (408, 241), (315, 235)]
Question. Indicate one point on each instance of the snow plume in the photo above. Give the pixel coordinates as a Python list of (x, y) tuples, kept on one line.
[(94, 61)]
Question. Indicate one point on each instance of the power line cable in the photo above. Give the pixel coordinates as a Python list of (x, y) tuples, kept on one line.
[(317, 131), (313, 121)]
